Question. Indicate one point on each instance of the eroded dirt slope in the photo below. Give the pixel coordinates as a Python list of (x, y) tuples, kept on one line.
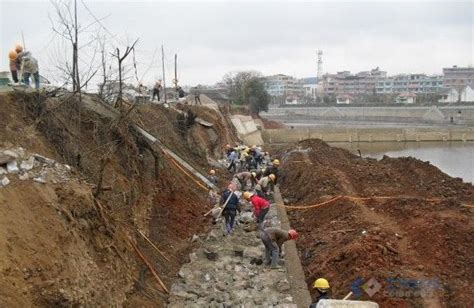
[(58, 245)]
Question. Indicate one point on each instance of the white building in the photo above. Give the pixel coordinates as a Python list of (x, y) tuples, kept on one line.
[(467, 95), (310, 87), (453, 96), (344, 99), (406, 98), (449, 96)]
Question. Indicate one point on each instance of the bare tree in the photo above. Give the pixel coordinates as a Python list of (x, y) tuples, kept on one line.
[(120, 60)]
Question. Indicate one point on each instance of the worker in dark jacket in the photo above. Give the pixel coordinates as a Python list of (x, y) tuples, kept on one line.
[(322, 291), (230, 202), (260, 207), (273, 169), (273, 239)]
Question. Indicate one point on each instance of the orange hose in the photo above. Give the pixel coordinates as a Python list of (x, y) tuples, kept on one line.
[(190, 176), (304, 207)]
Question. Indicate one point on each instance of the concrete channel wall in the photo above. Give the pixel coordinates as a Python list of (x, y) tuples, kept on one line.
[(434, 114), (368, 134)]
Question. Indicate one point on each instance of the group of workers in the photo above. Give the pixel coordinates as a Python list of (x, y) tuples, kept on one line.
[(255, 176), (23, 66), (180, 93)]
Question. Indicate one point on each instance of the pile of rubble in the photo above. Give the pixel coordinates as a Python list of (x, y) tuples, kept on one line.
[(17, 163), (228, 271)]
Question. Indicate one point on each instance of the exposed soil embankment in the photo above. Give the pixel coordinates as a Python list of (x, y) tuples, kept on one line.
[(60, 245), (417, 241)]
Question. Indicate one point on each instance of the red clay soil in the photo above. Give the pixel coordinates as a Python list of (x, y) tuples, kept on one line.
[(85, 260), (419, 250)]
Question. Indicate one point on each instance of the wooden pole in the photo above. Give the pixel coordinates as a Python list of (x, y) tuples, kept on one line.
[(147, 263), (176, 68), (153, 245), (163, 66)]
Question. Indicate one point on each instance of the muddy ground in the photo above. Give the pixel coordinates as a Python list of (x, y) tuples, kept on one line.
[(418, 246)]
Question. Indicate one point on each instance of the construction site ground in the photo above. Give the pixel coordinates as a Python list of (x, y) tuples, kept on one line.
[(413, 234), (95, 214)]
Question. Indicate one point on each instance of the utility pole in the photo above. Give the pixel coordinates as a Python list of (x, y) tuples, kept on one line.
[(176, 68), (163, 66), (23, 38)]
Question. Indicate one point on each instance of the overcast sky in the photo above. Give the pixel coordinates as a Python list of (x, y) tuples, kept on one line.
[(212, 38)]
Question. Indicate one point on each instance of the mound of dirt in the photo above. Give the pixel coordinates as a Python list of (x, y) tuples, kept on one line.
[(417, 246)]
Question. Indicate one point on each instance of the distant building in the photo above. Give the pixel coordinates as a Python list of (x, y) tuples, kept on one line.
[(449, 96), (344, 99), (310, 87), (414, 83), (466, 95), (458, 77), (283, 85), (406, 98), (346, 83)]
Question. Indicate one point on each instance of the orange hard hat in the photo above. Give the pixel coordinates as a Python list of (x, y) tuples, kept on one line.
[(18, 48), (293, 234), (12, 55)]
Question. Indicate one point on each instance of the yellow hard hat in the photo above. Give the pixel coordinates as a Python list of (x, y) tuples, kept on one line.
[(254, 147), (12, 55), (272, 177), (247, 195), (18, 48), (212, 172), (254, 174), (276, 162), (321, 283)]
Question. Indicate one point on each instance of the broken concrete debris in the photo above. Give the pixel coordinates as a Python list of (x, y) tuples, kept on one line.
[(12, 167), (5, 181), (35, 166), (222, 273)]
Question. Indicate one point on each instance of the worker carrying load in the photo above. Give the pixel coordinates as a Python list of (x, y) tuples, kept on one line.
[(27, 65), (264, 186), (273, 239), (322, 288), (245, 179), (260, 207), (230, 203), (12, 55)]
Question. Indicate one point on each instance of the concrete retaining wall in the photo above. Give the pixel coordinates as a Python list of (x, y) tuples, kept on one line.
[(368, 134), (427, 114)]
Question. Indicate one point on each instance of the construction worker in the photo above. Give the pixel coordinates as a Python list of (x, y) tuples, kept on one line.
[(244, 179), (322, 288), (156, 90), (232, 158), (230, 202), (273, 239), (197, 96), (272, 169), (264, 186), (212, 177), (28, 65), (12, 55), (260, 205)]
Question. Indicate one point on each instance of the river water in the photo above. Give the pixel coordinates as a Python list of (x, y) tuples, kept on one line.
[(453, 158)]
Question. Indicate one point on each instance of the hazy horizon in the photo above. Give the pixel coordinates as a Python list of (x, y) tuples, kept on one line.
[(213, 38)]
